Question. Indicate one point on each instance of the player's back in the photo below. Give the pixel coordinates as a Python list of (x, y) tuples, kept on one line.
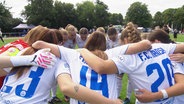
[(151, 69), (30, 88), (81, 73)]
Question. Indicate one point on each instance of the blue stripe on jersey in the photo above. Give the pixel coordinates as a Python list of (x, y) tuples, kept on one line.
[(95, 84)]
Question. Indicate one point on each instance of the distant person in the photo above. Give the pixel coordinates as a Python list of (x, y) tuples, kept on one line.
[(113, 38), (72, 34), (175, 33), (1, 36), (166, 28), (82, 38)]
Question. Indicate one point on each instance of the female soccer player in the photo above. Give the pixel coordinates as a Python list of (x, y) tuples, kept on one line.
[(160, 36), (24, 84)]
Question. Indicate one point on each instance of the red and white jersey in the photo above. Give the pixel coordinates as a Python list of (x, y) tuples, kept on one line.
[(19, 44), (12, 49), (82, 74), (151, 69), (33, 87)]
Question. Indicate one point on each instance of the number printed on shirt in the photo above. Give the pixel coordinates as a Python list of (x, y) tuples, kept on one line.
[(166, 63), (97, 82), (25, 93)]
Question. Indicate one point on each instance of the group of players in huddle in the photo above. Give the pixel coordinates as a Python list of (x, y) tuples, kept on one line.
[(93, 72)]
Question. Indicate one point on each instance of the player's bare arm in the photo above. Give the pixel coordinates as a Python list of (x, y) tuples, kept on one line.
[(178, 57), (42, 44), (147, 96), (5, 62), (138, 47), (179, 48), (76, 91), (99, 65)]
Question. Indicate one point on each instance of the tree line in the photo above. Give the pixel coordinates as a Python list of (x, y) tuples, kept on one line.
[(56, 14)]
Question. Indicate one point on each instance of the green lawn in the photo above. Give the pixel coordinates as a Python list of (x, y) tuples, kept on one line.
[(123, 92), (180, 37)]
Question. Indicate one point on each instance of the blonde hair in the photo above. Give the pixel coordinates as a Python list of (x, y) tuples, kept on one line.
[(131, 33), (144, 36), (101, 29), (63, 31)]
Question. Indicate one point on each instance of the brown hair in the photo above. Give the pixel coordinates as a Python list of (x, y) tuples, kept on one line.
[(131, 33), (84, 31), (65, 34), (111, 31), (96, 43), (38, 33), (160, 35)]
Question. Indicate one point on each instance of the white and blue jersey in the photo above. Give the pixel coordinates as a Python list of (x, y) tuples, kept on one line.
[(69, 44), (80, 42), (112, 44), (83, 74), (151, 69), (33, 87), (179, 99)]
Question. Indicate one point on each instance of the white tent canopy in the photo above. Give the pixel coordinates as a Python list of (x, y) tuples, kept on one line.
[(24, 26)]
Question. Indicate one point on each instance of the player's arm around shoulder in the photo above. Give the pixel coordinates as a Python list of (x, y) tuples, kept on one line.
[(99, 65), (179, 57), (79, 92), (42, 44), (179, 48), (175, 90), (138, 47)]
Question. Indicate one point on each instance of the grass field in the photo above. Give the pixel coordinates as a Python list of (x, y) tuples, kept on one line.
[(123, 92)]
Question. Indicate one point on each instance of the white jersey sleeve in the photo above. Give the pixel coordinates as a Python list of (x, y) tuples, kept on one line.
[(62, 68), (178, 67), (114, 52), (67, 54), (170, 48)]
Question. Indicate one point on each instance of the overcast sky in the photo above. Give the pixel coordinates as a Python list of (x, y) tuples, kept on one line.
[(115, 6)]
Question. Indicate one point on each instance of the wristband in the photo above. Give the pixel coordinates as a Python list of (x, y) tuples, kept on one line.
[(164, 93), (20, 60)]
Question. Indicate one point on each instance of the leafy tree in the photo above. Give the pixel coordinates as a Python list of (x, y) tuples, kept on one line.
[(101, 14), (168, 16), (86, 15), (7, 22), (116, 19), (39, 12), (158, 19), (139, 14), (64, 13), (178, 18)]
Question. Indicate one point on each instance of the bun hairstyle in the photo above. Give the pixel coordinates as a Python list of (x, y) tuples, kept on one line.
[(131, 33)]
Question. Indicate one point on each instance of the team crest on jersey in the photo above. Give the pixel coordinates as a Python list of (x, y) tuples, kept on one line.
[(121, 57), (66, 65)]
